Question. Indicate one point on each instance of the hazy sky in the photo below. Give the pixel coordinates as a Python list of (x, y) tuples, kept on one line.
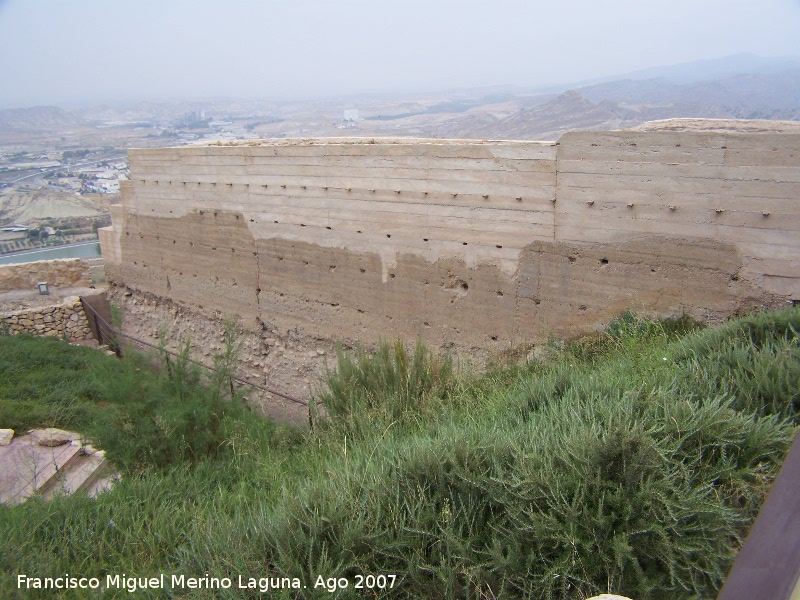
[(58, 51)]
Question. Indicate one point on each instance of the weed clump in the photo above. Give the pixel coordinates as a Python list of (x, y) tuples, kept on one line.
[(179, 417), (366, 390)]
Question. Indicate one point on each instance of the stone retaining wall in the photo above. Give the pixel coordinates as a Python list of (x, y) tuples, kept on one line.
[(63, 320), (65, 272)]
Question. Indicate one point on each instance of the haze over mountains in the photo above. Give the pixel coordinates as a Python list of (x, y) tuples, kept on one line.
[(743, 87), (762, 89)]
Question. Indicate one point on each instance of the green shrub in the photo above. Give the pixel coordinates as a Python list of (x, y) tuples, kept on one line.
[(754, 360), (630, 333), (177, 417), (389, 385)]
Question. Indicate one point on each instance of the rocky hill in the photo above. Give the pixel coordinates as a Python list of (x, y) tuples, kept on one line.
[(570, 110)]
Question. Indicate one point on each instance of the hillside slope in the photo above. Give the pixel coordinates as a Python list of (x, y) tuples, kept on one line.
[(630, 462)]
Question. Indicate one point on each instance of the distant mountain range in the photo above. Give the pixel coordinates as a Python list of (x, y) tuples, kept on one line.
[(770, 90), (746, 91), (704, 70), (739, 87), (37, 118)]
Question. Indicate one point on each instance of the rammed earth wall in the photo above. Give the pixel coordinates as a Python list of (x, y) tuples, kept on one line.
[(470, 244)]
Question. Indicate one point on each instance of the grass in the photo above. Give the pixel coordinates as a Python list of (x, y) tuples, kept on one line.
[(632, 462)]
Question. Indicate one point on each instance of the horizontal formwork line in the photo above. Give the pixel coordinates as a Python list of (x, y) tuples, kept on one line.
[(490, 162), (382, 217), (421, 221), (373, 179), (410, 245), (243, 203), (681, 171), (456, 150), (631, 219), (386, 206), (332, 182), (708, 216), (365, 195), (320, 171), (528, 193), (386, 162), (206, 255), (765, 250), (775, 222), (703, 232), (483, 216), (672, 186), (711, 140), (531, 193), (351, 229), (571, 193), (769, 266), (565, 178), (257, 221)]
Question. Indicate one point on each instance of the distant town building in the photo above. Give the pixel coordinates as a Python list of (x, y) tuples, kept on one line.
[(8, 234), (109, 187), (351, 115)]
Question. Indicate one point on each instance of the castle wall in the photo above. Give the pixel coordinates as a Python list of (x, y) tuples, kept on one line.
[(469, 244)]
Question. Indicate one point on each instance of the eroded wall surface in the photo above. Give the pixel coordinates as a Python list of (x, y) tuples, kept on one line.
[(741, 189), (470, 244)]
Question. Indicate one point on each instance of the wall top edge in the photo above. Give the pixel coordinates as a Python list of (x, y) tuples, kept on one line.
[(353, 141), (705, 125), (720, 133), (729, 128), (40, 263)]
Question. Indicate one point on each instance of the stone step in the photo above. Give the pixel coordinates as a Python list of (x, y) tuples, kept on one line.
[(102, 484), (77, 475), (51, 462)]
